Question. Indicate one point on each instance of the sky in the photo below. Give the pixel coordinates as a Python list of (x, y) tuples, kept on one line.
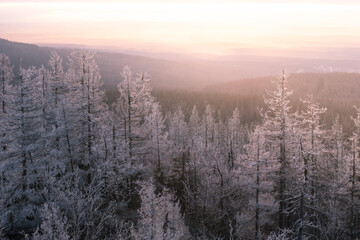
[(189, 26)]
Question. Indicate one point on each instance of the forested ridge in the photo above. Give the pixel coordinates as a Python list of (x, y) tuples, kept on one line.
[(337, 91), (74, 166)]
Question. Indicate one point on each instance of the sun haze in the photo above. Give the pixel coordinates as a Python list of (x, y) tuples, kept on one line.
[(212, 27)]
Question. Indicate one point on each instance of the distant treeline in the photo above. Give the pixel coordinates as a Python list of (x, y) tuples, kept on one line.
[(338, 92), (248, 105)]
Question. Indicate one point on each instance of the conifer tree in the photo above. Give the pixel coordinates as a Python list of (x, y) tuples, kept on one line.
[(133, 105), (6, 76), (277, 123), (26, 155), (158, 136), (87, 100)]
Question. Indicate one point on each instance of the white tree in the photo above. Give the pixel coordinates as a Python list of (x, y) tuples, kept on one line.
[(158, 136), (338, 178), (178, 136), (88, 213), (216, 197), (196, 145), (6, 76), (57, 79), (354, 168), (256, 172), (209, 125), (284, 234), (277, 123), (22, 166), (313, 134), (195, 129), (87, 100), (234, 136), (175, 227), (56, 94), (133, 105), (53, 226), (311, 149), (160, 216), (178, 130)]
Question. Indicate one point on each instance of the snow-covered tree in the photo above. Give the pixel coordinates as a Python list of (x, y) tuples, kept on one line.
[(6, 76), (57, 79), (354, 169), (338, 176), (87, 210), (133, 105), (313, 132), (283, 234), (87, 100), (160, 216), (22, 168), (278, 125), (178, 130), (196, 145), (311, 149), (194, 128), (256, 173), (56, 94), (234, 136), (209, 125), (53, 226), (158, 136)]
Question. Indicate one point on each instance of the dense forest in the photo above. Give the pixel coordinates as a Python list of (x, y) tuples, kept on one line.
[(337, 91), (74, 166)]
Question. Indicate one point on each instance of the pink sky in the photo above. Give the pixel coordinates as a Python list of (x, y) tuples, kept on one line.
[(184, 26)]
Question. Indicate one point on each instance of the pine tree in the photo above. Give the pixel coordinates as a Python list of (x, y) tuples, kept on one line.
[(354, 188), (53, 226), (277, 122), (196, 146), (83, 204), (56, 94), (6, 76), (209, 125), (133, 105), (160, 216), (234, 136), (255, 170), (87, 99), (158, 136), (194, 129), (178, 136), (57, 79), (22, 167), (338, 177), (311, 148)]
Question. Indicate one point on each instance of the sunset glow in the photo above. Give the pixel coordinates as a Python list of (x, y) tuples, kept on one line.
[(191, 26)]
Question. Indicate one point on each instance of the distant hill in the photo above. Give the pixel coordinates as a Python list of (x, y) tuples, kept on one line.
[(163, 73), (190, 73), (199, 81), (27, 54)]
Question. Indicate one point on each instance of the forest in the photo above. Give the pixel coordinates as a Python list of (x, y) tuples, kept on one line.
[(74, 165)]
